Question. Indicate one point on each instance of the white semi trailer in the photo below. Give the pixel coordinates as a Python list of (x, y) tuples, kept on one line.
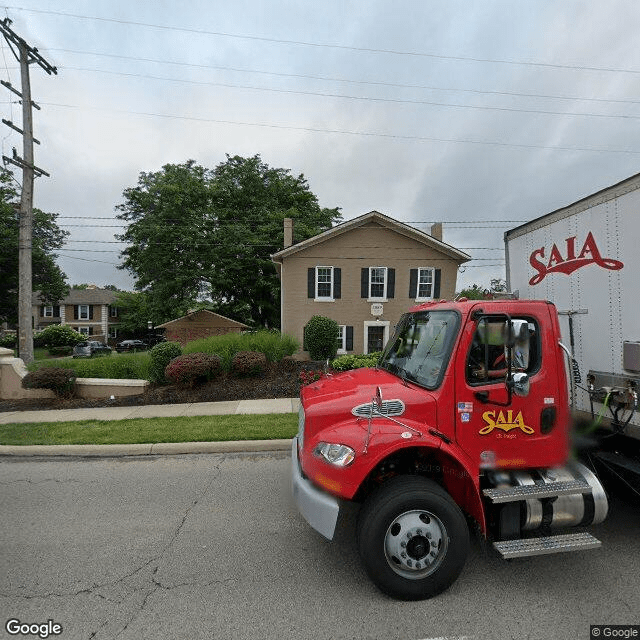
[(585, 258)]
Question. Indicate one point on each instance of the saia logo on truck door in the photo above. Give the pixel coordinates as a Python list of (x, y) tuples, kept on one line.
[(590, 254), (505, 421)]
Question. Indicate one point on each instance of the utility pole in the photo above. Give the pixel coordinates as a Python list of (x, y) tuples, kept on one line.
[(25, 55)]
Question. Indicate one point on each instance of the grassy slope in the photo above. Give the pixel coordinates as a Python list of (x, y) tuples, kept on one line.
[(151, 430)]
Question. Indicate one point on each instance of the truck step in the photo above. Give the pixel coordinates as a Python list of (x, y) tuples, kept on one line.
[(546, 545), (526, 492)]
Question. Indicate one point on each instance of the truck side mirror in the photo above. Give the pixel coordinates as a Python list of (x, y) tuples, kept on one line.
[(520, 384)]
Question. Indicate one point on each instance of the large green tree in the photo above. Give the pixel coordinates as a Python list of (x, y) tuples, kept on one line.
[(196, 233), (134, 312), (47, 278)]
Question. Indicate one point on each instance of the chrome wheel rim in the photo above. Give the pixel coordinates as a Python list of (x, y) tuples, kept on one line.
[(415, 544)]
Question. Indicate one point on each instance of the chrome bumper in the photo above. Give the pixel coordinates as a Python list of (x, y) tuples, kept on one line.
[(319, 509)]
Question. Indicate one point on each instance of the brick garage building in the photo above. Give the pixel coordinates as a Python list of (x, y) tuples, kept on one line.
[(200, 324)]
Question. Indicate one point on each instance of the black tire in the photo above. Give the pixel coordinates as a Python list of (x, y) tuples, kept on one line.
[(413, 517)]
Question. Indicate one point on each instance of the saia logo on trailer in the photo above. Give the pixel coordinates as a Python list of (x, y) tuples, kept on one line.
[(590, 254)]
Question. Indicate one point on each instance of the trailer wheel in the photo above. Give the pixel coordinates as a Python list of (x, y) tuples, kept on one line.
[(412, 538)]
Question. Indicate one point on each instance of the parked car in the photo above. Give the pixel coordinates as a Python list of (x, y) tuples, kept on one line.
[(131, 345), (90, 348)]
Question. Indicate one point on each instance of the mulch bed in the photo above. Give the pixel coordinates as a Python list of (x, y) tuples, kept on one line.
[(279, 380)]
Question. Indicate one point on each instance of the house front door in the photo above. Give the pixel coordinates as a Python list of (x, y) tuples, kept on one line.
[(375, 338)]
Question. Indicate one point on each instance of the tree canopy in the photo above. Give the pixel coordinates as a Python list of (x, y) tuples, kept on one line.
[(47, 278), (197, 234)]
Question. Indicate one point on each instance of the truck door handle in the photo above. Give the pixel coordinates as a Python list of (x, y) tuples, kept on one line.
[(482, 396)]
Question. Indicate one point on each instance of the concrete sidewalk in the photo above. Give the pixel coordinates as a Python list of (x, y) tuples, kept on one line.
[(236, 407)]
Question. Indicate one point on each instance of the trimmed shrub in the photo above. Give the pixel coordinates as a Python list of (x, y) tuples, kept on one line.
[(161, 355), (125, 366), (248, 363), (60, 351), (321, 337), (273, 344), (347, 362), (9, 341), (57, 335), (193, 368), (60, 381)]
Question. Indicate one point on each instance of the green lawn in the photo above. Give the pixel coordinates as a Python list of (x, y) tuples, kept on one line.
[(153, 430)]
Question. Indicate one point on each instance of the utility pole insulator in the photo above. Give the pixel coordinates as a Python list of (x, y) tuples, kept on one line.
[(20, 131), (11, 88), (19, 162)]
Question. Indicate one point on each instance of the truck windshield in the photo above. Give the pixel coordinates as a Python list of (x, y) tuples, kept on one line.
[(420, 349)]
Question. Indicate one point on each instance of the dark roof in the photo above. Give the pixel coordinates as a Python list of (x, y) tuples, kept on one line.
[(83, 296), (192, 314), (385, 221)]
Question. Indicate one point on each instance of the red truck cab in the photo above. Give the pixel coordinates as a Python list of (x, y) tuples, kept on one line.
[(465, 419)]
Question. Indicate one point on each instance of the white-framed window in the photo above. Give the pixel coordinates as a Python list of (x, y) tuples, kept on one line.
[(48, 312), (377, 283), (83, 312), (324, 283), (113, 312), (342, 338), (83, 330), (425, 284), (376, 335), (113, 332)]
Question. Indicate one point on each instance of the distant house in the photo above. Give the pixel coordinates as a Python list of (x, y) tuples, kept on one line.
[(199, 324), (363, 274), (89, 311)]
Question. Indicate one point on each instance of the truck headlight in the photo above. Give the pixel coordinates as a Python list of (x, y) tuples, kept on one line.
[(337, 454)]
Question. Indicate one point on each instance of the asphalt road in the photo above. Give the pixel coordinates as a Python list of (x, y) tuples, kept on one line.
[(210, 546)]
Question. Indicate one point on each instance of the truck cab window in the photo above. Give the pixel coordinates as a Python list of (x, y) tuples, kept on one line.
[(487, 358), (421, 347)]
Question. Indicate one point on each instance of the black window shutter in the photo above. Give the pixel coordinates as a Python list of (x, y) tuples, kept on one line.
[(391, 283), (349, 341), (364, 282), (337, 282), (436, 285), (90, 331), (42, 311), (311, 282), (90, 312), (56, 311), (413, 283), (76, 314)]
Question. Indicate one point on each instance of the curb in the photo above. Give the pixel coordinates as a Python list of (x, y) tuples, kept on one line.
[(160, 448)]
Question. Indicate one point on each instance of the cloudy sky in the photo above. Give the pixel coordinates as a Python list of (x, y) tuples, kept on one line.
[(474, 113)]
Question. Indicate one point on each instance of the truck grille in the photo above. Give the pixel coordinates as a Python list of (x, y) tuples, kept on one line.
[(389, 408)]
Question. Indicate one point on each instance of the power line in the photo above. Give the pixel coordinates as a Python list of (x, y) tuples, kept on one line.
[(347, 80), (303, 43), (319, 94), (62, 255), (367, 134), (208, 244), (403, 221)]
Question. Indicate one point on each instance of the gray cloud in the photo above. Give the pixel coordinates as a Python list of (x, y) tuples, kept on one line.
[(94, 145)]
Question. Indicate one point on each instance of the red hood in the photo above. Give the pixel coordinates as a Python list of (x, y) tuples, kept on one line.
[(331, 400)]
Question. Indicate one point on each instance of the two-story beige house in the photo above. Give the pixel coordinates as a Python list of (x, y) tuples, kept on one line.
[(89, 311), (364, 274)]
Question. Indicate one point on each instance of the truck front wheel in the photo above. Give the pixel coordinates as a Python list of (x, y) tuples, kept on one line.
[(412, 538)]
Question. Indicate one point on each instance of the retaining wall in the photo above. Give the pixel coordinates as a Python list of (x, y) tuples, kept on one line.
[(12, 370)]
